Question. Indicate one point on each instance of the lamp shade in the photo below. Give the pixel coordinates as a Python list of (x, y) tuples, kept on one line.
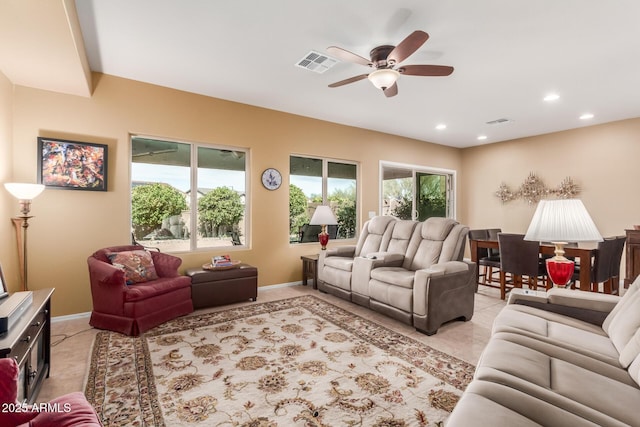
[(24, 191), (563, 220), (384, 78), (323, 216)]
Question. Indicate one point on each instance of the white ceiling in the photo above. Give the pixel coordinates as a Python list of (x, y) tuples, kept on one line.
[(507, 54)]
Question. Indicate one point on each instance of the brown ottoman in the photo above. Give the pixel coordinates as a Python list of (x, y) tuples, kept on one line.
[(219, 287)]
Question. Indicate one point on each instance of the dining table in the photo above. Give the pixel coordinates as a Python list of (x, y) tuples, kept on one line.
[(583, 256)]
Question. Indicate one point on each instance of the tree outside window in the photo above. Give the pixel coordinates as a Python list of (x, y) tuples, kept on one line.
[(186, 196), (316, 181), (416, 193)]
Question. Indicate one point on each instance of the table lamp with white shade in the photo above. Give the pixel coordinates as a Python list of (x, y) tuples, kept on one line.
[(559, 222), (323, 216)]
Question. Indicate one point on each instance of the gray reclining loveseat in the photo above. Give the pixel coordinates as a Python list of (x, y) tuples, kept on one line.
[(411, 271)]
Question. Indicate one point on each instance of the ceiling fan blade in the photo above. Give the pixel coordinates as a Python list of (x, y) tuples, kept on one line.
[(349, 80), (345, 55), (408, 46), (391, 90), (425, 70)]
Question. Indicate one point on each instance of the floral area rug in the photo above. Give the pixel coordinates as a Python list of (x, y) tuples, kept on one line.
[(294, 362)]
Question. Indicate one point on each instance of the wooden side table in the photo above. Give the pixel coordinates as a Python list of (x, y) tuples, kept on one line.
[(310, 269)]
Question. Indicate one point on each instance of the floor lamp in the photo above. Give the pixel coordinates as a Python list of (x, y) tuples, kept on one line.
[(24, 193)]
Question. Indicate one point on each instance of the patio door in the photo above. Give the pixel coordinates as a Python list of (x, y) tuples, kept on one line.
[(432, 195), (418, 193)]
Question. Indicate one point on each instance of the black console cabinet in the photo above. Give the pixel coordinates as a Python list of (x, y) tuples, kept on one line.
[(28, 341)]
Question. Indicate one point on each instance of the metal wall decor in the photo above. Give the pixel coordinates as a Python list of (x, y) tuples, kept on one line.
[(533, 189)]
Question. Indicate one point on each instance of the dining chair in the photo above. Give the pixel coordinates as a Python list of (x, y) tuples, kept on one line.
[(487, 259), (494, 256), (483, 254), (605, 267), (615, 266), (521, 259)]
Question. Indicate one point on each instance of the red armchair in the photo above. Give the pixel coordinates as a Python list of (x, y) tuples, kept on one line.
[(136, 308), (64, 411)]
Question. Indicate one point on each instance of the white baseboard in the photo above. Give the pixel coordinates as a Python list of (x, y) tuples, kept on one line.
[(280, 285), (70, 317)]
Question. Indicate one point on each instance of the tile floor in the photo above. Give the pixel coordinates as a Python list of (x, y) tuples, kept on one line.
[(71, 340)]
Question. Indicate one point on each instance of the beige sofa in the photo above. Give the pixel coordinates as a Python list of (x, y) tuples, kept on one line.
[(415, 274), (558, 358)]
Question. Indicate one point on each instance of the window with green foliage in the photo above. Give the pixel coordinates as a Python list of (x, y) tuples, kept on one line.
[(317, 181), (171, 180), (414, 192)]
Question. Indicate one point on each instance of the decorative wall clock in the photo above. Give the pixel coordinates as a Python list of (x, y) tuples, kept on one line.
[(271, 179)]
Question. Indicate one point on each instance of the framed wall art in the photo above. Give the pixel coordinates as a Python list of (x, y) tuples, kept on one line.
[(72, 165)]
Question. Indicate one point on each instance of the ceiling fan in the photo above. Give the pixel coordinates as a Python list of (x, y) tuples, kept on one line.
[(385, 58)]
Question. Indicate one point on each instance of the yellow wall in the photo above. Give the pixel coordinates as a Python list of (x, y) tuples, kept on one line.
[(8, 205), (601, 159), (70, 225)]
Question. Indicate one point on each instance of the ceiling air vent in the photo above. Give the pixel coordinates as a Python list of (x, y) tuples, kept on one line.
[(317, 62), (499, 122)]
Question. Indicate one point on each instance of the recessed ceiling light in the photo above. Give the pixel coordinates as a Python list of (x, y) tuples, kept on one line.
[(482, 137), (441, 126), (552, 97), (586, 116)]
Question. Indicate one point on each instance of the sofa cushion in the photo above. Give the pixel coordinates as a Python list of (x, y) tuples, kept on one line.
[(623, 327), (160, 286), (563, 331), (137, 265), (379, 224), (398, 297), (426, 254), (401, 235), (397, 276), (375, 235), (632, 352), (428, 242), (592, 301), (489, 404), (476, 410), (622, 304), (436, 228), (337, 278), (341, 263), (584, 361), (560, 381), (634, 369)]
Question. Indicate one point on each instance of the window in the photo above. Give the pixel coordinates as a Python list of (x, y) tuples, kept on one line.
[(315, 181), (414, 192), (170, 180)]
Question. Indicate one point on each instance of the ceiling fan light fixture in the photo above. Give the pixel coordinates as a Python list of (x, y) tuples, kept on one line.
[(384, 78)]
